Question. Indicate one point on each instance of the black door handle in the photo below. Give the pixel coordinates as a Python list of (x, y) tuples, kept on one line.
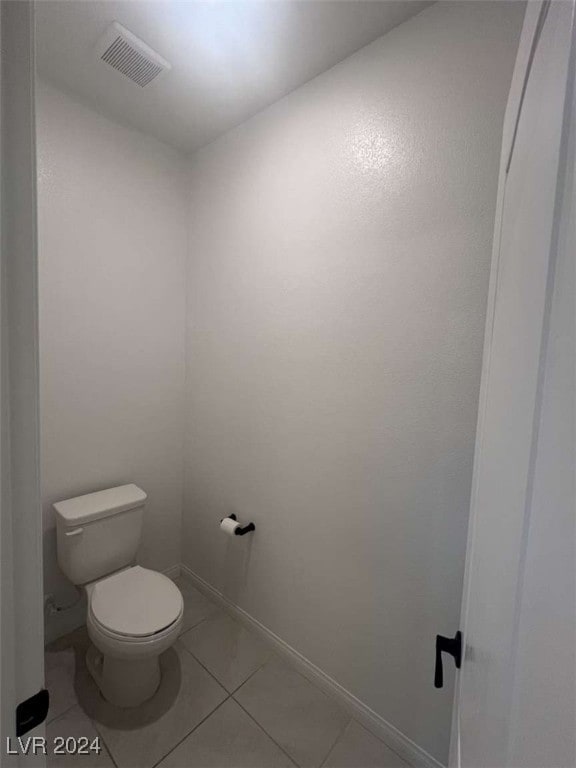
[(451, 645)]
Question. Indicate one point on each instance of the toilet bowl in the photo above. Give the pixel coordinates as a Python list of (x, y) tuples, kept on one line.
[(134, 613), (133, 617)]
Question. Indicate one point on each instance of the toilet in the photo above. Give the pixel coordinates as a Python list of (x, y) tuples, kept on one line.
[(134, 614)]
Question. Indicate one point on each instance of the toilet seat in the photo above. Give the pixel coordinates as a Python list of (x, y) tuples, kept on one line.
[(136, 605)]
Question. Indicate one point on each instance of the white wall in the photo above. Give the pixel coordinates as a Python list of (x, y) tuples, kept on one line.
[(112, 243), (338, 269)]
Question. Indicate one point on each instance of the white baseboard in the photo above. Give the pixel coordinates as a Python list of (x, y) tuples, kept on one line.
[(381, 728)]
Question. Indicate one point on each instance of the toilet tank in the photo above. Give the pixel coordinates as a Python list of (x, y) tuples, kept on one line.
[(99, 533)]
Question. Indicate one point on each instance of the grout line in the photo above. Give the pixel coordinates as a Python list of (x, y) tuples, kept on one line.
[(50, 720), (205, 668), (231, 695), (337, 739), (340, 735), (213, 676), (403, 760), (280, 747), (204, 618), (250, 676), (190, 732), (91, 721), (106, 747), (194, 626), (101, 735)]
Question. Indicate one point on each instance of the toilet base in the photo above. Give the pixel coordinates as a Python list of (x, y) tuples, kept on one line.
[(124, 682)]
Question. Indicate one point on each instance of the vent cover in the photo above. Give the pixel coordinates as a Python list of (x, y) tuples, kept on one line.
[(131, 56)]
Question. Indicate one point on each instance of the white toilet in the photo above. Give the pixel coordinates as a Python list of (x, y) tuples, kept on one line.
[(134, 614)]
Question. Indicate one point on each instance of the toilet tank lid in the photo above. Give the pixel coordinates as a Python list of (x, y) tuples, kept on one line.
[(93, 506)]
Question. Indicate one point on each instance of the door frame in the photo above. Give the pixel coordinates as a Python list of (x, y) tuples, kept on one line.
[(21, 571), (535, 16)]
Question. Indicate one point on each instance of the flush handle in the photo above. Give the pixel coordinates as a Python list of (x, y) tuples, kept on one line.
[(75, 532), (451, 645)]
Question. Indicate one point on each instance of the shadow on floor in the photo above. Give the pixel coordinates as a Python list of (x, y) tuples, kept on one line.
[(101, 711)]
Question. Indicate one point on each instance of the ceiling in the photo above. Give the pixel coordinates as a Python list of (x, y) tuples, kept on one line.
[(229, 59)]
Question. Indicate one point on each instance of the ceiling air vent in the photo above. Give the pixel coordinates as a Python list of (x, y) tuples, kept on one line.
[(131, 56)]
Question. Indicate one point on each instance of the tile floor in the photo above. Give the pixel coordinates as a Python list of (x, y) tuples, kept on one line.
[(225, 701)]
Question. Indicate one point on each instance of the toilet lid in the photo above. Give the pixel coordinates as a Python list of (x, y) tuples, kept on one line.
[(136, 602)]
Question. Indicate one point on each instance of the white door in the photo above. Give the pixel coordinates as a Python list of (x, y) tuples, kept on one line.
[(529, 332), (21, 615)]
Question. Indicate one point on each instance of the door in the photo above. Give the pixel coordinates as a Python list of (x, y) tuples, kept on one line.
[(531, 237), (21, 595)]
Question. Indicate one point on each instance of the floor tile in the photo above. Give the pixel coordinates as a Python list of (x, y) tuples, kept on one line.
[(297, 715), (197, 607), (142, 736), (227, 649), (229, 738), (74, 725), (358, 748), (60, 662)]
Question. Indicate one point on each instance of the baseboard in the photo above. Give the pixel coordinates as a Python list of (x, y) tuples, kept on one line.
[(381, 728)]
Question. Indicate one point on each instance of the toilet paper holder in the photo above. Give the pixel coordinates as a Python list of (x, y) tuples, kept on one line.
[(241, 530)]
